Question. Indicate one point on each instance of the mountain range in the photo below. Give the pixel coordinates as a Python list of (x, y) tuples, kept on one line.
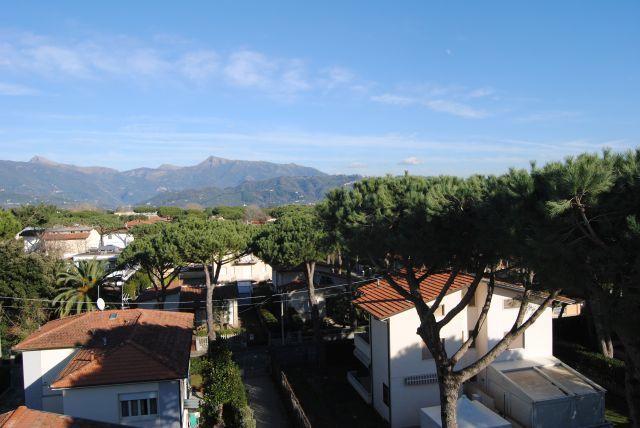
[(214, 181)]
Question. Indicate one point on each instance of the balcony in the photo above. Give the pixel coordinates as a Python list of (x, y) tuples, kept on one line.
[(361, 383), (362, 349)]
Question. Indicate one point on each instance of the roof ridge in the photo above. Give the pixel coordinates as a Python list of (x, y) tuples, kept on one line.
[(62, 322)]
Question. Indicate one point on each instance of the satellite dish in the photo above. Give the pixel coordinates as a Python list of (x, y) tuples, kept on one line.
[(100, 303)]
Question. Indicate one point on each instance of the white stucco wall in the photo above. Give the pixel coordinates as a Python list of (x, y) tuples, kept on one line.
[(406, 360), (406, 350), (40, 369), (379, 364), (117, 239), (102, 403)]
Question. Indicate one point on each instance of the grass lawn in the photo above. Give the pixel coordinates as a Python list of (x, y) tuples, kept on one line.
[(328, 399)]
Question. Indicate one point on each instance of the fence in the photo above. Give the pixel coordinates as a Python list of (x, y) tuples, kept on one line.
[(300, 419), (202, 343)]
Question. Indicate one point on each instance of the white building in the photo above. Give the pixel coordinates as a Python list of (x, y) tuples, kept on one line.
[(117, 238), (110, 367), (246, 268), (398, 375)]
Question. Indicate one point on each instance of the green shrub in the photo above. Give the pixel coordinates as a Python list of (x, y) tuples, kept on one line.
[(222, 384), (238, 417), (608, 372), (270, 321), (138, 282)]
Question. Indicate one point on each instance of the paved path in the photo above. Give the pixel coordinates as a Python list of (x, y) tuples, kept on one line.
[(266, 402)]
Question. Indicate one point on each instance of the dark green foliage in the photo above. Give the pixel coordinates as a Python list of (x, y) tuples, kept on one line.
[(269, 320), (238, 417), (294, 239), (339, 309), (23, 275), (77, 286), (139, 282), (228, 213), (607, 372), (171, 212), (222, 385), (34, 215), (9, 225)]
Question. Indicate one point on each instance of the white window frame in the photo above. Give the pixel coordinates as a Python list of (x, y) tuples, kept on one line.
[(135, 398)]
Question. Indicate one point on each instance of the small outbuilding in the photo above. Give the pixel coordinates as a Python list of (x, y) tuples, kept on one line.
[(545, 392)]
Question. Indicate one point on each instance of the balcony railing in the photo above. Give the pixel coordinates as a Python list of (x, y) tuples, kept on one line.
[(362, 385)]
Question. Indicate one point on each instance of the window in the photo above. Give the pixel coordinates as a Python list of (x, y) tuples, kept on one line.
[(385, 394), (138, 405), (517, 343), (440, 311)]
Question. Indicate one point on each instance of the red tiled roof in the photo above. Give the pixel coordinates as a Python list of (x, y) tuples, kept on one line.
[(25, 417), (65, 236), (118, 346), (382, 301)]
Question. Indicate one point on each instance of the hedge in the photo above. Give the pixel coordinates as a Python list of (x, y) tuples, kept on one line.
[(607, 372)]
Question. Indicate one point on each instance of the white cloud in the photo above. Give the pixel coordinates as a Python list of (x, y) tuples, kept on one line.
[(248, 68), (548, 116), (199, 65), (411, 160), (481, 92), (439, 105), (393, 99), (455, 108), (15, 90)]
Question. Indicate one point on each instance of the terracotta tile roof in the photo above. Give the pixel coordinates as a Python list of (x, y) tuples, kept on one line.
[(118, 346), (48, 236), (382, 301), (25, 417)]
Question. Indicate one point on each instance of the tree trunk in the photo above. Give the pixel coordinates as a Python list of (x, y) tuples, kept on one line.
[(449, 388), (632, 388), (313, 302), (601, 325), (631, 343), (211, 332)]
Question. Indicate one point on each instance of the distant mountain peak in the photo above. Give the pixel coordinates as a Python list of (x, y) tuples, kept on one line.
[(42, 160), (213, 161), (168, 166)]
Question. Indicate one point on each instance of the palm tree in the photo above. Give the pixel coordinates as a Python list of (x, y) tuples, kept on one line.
[(78, 286)]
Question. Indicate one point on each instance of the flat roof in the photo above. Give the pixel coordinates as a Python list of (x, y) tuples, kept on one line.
[(471, 414)]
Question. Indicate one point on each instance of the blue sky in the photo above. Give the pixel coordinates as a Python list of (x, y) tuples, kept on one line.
[(347, 87)]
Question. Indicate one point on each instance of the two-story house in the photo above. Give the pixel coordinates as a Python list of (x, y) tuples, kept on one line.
[(128, 367), (525, 383)]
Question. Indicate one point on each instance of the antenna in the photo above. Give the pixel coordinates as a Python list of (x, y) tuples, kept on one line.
[(100, 303)]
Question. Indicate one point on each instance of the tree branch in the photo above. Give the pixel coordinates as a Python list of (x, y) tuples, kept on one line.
[(452, 277), (479, 322), (472, 369), (471, 291)]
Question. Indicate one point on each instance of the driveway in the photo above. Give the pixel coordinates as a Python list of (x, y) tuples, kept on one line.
[(266, 402)]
